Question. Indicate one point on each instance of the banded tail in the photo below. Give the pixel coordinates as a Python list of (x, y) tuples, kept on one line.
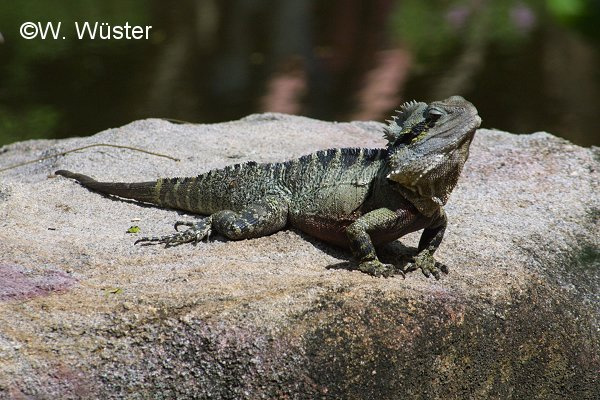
[(141, 191)]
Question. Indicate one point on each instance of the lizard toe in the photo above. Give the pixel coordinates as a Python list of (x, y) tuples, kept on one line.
[(427, 264), (189, 224), (377, 268)]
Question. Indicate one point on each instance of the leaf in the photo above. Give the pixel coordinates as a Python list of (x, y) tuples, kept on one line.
[(133, 229)]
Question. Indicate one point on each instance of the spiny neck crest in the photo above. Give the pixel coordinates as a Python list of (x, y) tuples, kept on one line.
[(406, 125)]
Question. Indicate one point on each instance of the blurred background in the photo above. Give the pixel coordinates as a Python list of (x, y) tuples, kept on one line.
[(528, 65)]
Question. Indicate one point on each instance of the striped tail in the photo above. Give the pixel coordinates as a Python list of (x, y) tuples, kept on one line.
[(141, 191)]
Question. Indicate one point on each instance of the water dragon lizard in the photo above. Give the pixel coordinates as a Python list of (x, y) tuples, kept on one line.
[(351, 197)]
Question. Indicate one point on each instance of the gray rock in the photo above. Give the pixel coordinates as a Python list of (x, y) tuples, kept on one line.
[(84, 313)]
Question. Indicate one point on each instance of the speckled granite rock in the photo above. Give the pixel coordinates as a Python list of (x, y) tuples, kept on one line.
[(84, 313)]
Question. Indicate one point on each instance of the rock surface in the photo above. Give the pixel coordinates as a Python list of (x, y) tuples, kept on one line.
[(84, 313)]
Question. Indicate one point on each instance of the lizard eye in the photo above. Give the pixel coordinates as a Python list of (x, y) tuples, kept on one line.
[(433, 114)]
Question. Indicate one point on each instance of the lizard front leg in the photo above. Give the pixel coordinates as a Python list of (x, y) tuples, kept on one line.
[(260, 218), (430, 240), (358, 234)]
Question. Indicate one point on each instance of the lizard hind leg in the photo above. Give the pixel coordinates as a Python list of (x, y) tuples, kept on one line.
[(259, 218)]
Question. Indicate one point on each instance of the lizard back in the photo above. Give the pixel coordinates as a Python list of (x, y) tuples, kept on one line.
[(306, 182)]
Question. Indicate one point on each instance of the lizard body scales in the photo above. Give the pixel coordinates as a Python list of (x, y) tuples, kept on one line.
[(351, 197)]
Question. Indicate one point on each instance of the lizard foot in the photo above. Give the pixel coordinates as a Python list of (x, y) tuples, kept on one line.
[(427, 264), (377, 268), (195, 233)]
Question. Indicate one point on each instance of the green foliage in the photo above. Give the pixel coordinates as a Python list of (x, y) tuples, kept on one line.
[(25, 85), (433, 29), (35, 121), (581, 15), (421, 26), (566, 9), (115, 290), (56, 88), (133, 229)]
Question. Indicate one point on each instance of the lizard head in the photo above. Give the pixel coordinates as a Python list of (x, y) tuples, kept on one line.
[(428, 145)]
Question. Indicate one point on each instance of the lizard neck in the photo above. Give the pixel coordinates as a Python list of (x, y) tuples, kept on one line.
[(426, 180)]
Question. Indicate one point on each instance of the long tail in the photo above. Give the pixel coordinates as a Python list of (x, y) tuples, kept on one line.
[(141, 191)]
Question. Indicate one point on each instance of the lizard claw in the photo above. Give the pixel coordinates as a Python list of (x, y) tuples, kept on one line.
[(184, 223), (427, 264), (377, 268)]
